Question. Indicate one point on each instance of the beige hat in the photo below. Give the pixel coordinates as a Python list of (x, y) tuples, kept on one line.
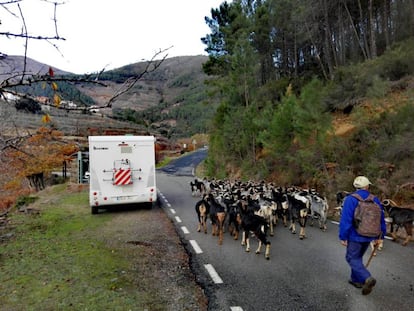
[(361, 182)]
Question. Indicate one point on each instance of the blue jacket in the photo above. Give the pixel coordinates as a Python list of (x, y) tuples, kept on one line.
[(347, 231)]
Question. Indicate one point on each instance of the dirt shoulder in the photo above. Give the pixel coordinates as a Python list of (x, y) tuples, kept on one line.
[(162, 260)]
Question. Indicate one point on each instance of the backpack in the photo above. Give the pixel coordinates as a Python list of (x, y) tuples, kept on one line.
[(367, 216)]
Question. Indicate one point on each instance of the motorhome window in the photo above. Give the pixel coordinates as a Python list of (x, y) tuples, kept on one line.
[(126, 149)]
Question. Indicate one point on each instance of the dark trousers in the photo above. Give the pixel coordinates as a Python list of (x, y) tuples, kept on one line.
[(354, 256)]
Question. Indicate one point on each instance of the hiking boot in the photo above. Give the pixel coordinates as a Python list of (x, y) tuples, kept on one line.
[(356, 284), (368, 285)]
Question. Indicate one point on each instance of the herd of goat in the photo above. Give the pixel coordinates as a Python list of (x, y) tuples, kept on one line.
[(256, 207)]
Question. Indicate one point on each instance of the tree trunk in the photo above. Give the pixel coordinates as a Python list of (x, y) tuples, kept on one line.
[(36, 181), (412, 16), (363, 26), (327, 41), (386, 23), (341, 38), (356, 32), (316, 52), (373, 43)]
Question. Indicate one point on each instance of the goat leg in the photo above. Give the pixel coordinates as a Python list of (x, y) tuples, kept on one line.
[(292, 228), (267, 252), (236, 234), (302, 233), (259, 248), (247, 244), (407, 239), (220, 234)]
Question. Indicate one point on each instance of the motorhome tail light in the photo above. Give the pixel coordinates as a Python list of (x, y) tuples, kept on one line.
[(152, 190), (95, 193), (105, 198)]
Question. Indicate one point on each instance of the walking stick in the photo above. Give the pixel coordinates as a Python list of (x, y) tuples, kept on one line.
[(372, 253)]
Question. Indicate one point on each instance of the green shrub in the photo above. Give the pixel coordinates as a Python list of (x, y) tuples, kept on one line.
[(398, 61), (378, 88)]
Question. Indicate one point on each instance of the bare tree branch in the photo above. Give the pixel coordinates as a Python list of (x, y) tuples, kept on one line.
[(26, 40), (25, 33), (5, 3), (24, 78), (22, 35)]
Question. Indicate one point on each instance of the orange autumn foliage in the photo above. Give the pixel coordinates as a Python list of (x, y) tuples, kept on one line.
[(41, 152)]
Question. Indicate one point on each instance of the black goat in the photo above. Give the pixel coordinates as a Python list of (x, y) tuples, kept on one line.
[(401, 217)]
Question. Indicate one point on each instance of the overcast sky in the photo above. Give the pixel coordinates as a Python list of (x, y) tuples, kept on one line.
[(108, 33)]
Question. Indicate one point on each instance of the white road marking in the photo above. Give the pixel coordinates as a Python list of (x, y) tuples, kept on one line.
[(236, 308), (195, 246), (177, 219), (185, 230), (213, 274), (172, 211)]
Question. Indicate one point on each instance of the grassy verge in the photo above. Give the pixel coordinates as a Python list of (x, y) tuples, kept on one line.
[(164, 162), (60, 257)]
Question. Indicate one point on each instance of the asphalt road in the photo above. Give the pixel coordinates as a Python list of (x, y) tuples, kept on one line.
[(185, 166), (308, 274)]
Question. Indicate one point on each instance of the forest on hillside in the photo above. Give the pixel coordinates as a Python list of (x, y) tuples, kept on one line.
[(289, 72)]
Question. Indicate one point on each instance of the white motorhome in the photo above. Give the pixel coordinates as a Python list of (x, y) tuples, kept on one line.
[(121, 170)]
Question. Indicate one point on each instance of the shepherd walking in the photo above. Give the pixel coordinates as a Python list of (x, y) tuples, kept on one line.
[(356, 232)]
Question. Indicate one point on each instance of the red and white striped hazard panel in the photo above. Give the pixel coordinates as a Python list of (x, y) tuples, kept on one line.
[(122, 177)]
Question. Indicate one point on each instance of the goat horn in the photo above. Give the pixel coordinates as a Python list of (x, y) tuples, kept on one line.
[(393, 203)]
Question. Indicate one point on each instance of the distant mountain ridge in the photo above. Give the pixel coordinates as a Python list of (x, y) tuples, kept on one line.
[(171, 100), (166, 84), (15, 64)]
